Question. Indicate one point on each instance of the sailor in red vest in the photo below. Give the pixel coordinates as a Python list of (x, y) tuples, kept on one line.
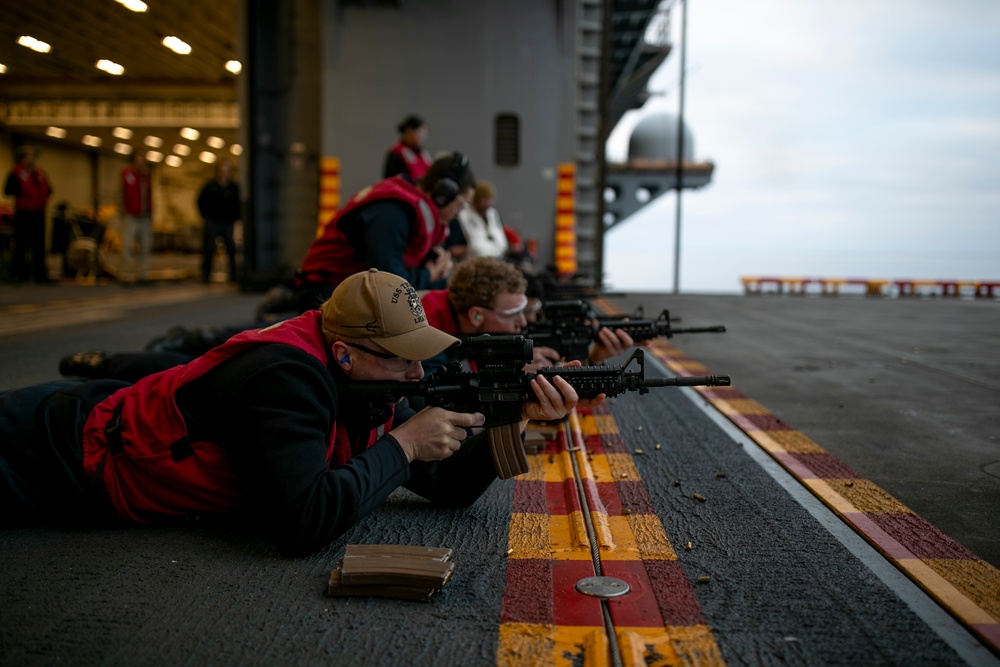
[(30, 189), (396, 226), (261, 427), (408, 156)]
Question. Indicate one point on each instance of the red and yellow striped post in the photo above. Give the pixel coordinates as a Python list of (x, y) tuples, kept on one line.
[(329, 192), (565, 252)]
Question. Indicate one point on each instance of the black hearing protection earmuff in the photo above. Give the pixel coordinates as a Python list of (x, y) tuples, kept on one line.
[(446, 189)]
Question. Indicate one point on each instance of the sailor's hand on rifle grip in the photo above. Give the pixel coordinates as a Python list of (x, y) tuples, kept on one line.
[(434, 433), (554, 400), (610, 343)]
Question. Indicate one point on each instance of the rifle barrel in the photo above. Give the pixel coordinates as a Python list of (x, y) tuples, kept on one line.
[(719, 328), (690, 381)]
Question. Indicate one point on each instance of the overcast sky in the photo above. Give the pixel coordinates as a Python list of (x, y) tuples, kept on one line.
[(850, 138)]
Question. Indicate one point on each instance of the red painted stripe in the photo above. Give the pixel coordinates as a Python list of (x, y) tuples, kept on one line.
[(562, 498), (723, 394), (767, 422), (529, 497), (824, 466), (794, 466), (571, 607), (673, 592), (988, 631), (528, 595), (635, 497), (640, 607), (612, 502), (594, 499), (593, 444), (614, 443), (882, 539), (921, 538)]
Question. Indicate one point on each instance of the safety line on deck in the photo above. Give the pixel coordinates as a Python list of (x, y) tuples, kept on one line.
[(544, 619)]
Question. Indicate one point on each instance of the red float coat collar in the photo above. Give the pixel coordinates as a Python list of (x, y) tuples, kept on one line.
[(417, 161)]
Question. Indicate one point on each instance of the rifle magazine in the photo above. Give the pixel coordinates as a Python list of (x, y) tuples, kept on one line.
[(508, 452)]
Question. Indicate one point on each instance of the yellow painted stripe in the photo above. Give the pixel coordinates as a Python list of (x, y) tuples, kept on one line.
[(565, 185), (622, 467), (944, 591), (569, 537), (565, 220), (649, 536), (327, 200), (567, 168), (529, 536), (831, 497), (743, 406), (672, 646), (525, 644)]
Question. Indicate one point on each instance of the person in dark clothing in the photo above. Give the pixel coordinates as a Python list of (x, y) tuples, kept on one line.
[(261, 427), (395, 225), (219, 205), (408, 155), (31, 190)]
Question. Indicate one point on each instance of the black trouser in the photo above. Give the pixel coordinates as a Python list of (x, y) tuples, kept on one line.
[(41, 460), (213, 230), (29, 234)]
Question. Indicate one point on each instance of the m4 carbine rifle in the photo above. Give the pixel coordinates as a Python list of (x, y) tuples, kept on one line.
[(570, 332), (500, 385)]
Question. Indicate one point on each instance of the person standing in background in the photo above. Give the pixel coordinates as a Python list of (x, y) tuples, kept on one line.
[(31, 190), (408, 156), (219, 205), (137, 219)]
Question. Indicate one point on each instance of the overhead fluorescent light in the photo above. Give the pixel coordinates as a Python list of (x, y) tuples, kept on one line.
[(236, 149), (190, 133), (182, 149), (123, 149), (109, 67), (122, 133), (207, 157), (215, 142), (154, 156), (34, 44), (3, 68), (234, 66), (57, 132), (153, 142), (134, 5), (91, 140), (176, 44), (173, 161)]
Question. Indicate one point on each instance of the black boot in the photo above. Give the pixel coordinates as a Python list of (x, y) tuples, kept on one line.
[(93, 365)]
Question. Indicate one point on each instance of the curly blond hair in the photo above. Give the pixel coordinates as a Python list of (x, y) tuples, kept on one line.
[(478, 281)]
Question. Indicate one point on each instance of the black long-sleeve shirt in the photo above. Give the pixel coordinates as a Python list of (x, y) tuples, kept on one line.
[(272, 409), (380, 233)]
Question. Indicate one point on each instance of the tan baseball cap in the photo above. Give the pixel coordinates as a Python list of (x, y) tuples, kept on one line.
[(384, 308)]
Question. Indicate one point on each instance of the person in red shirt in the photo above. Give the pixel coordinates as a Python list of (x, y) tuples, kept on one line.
[(137, 219), (31, 190)]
